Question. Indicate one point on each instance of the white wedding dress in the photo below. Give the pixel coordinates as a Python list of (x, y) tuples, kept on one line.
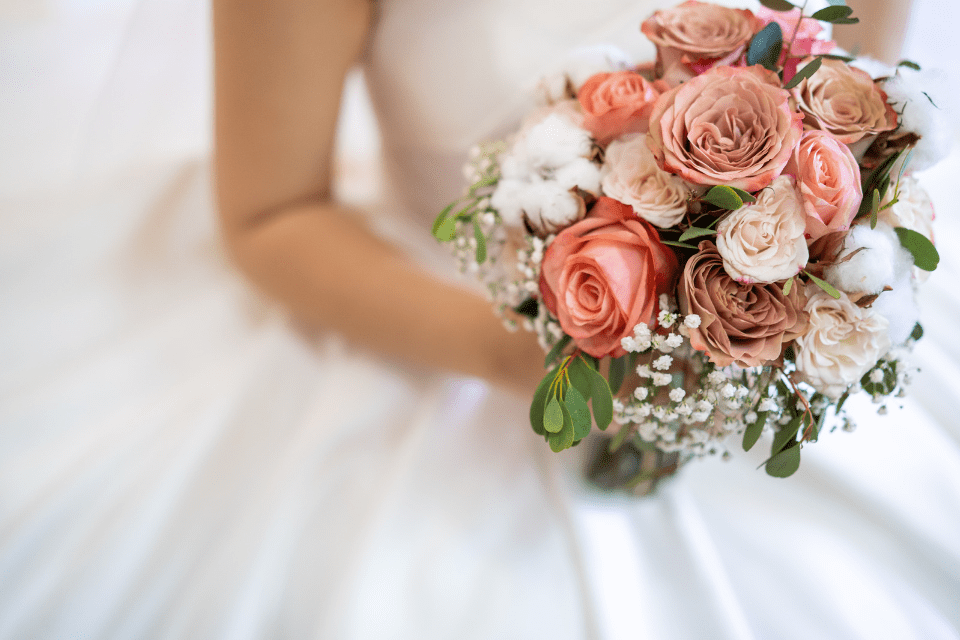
[(178, 460)]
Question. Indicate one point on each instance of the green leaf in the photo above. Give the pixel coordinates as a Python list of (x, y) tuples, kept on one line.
[(874, 208), (785, 463), (834, 56), (481, 242), (833, 13), (581, 377), (564, 438), (917, 332), (909, 64), (440, 218), (788, 287), (826, 286), (696, 232), (576, 404), (602, 400), (746, 196), (723, 196), (620, 438), (777, 5), (843, 398), (752, 433), (808, 70), (529, 308), (678, 244), (446, 230), (539, 402), (847, 21), (618, 368), (553, 416), (556, 350), (876, 180), (765, 47), (925, 255), (786, 434)]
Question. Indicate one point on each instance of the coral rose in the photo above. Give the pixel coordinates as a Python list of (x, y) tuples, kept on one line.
[(699, 34), (842, 342), (616, 103), (829, 180), (730, 125), (763, 242), (746, 324), (603, 275), (631, 175), (844, 101)]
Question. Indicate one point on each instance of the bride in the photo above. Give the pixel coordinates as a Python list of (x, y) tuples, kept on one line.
[(347, 474)]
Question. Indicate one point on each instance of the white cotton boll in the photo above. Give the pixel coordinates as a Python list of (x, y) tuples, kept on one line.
[(579, 173), (555, 142), (508, 200), (549, 207), (514, 164), (879, 264), (899, 307), (908, 91)]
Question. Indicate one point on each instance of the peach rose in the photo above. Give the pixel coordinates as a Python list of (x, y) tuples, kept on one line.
[(631, 175), (603, 275), (763, 242), (699, 33), (844, 101), (829, 180), (730, 125), (746, 324), (616, 103), (842, 342)]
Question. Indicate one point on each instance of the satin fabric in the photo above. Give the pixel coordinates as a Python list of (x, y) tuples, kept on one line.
[(178, 459)]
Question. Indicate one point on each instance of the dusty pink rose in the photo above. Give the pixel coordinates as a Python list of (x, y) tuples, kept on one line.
[(829, 181), (616, 103), (699, 35), (804, 42), (844, 101), (746, 324), (603, 275), (731, 125)]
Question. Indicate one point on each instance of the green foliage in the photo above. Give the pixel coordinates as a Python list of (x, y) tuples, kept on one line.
[(618, 369), (834, 14), (581, 377), (556, 350), (785, 463), (917, 332), (788, 287), (826, 286), (683, 245), (602, 400), (723, 196), (778, 5), (909, 64), (440, 218), (553, 416), (874, 208), (539, 402), (787, 434), (696, 232), (766, 46), (481, 242), (529, 308), (579, 412), (808, 70), (745, 196), (752, 433), (446, 230), (925, 255)]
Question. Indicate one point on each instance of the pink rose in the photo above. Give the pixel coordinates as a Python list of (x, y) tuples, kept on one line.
[(829, 180), (730, 125), (699, 35), (616, 103), (844, 101), (603, 275), (746, 324)]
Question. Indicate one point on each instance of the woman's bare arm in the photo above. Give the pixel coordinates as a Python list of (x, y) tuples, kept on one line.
[(880, 33), (280, 68)]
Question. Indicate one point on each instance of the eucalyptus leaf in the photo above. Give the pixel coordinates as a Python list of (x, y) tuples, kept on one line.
[(618, 369), (834, 56), (602, 400), (874, 208), (446, 230), (581, 377), (696, 232), (917, 332), (778, 5), (785, 435), (788, 287), (785, 463), (765, 47), (576, 404), (481, 242), (723, 196), (620, 438), (556, 350), (846, 21), (539, 402), (553, 416), (808, 70), (826, 286), (925, 255), (564, 438), (529, 308), (678, 244), (843, 398), (832, 13), (909, 64), (441, 217), (745, 196), (752, 433)]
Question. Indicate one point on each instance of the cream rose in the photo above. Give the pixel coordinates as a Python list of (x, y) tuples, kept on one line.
[(730, 125), (843, 101), (630, 174), (764, 242), (913, 209), (829, 180), (841, 344), (698, 31)]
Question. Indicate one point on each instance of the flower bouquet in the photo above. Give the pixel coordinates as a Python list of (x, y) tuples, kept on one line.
[(733, 231)]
